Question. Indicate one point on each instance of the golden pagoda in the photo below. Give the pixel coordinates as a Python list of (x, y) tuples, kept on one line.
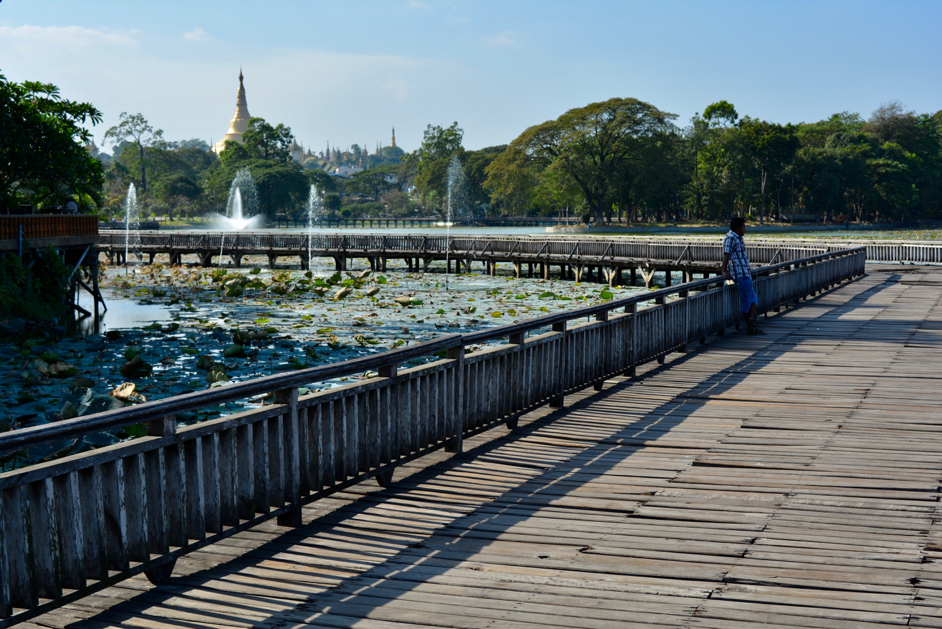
[(240, 120)]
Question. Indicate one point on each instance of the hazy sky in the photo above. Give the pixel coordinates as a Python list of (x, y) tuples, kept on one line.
[(345, 72)]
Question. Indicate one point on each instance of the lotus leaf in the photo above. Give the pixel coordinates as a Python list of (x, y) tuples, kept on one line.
[(136, 368), (62, 370), (234, 351)]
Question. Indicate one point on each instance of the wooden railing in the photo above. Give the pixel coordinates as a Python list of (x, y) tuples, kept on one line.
[(478, 247), (890, 251), (51, 226), (75, 525)]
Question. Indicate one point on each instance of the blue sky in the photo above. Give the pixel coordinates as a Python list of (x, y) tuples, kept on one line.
[(345, 71)]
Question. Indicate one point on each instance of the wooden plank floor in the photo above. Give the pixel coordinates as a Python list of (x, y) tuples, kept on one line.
[(784, 481)]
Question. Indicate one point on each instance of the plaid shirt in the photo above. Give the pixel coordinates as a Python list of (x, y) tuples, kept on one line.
[(734, 245)]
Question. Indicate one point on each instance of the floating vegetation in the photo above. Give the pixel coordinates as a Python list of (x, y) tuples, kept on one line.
[(222, 325)]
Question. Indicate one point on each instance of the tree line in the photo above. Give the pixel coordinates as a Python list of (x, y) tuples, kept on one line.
[(619, 158)]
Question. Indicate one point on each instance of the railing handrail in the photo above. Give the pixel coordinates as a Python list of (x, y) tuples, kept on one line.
[(16, 440)]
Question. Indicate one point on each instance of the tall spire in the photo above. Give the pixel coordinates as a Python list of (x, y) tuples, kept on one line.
[(394, 137), (240, 120)]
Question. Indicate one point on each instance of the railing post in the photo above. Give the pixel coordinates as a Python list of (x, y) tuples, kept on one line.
[(456, 423), (602, 316), (631, 371), (384, 479), (562, 365), (660, 301), (685, 295), (162, 426), (292, 454)]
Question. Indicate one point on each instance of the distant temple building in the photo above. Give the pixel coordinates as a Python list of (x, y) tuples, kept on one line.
[(240, 120), (296, 151), (394, 137)]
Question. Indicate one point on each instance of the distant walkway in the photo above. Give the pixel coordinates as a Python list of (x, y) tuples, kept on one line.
[(791, 480)]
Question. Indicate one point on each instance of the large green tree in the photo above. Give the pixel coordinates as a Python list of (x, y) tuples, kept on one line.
[(437, 143), (136, 131), (43, 159), (596, 148), (770, 148), (281, 182)]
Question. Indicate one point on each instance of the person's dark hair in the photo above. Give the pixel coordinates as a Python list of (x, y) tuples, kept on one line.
[(737, 222)]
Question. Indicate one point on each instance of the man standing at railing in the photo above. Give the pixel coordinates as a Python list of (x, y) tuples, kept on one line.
[(736, 268)]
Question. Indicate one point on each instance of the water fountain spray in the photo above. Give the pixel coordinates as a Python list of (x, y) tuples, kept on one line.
[(131, 214), (456, 202), (314, 209)]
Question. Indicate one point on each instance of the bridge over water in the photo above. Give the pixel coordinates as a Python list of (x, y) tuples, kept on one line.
[(655, 474), (601, 260)]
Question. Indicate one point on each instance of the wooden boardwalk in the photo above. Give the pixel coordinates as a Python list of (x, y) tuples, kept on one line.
[(791, 480)]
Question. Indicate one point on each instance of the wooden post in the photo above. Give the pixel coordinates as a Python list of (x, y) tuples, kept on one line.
[(631, 371), (162, 426), (562, 365), (291, 452), (602, 316), (661, 301), (454, 420)]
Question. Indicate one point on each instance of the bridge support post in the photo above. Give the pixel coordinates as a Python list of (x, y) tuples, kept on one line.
[(648, 276), (340, 263), (610, 274), (292, 454), (668, 277), (544, 270), (425, 264), (633, 276), (529, 269), (237, 260), (382, 263), (175, 258), (305, 266), (517, 270), (272, 260), (150, 258), (562, 365), (206, 259), (577, 271)]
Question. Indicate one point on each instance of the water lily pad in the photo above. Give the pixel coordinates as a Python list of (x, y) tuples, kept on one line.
[(62, 370), (234, 351), (81, 383), (136, 368), (68, 411), (216, 374)]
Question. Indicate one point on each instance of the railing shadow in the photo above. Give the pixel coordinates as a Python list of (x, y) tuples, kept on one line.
[(290, 590)]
